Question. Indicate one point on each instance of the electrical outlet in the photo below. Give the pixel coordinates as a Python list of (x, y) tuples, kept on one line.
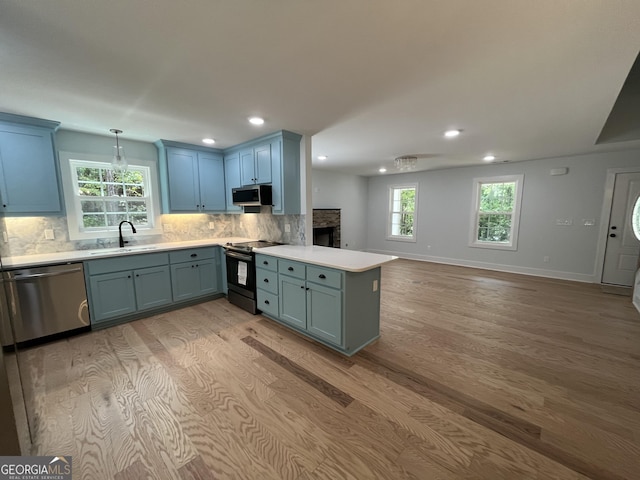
[(375, 285), (48, 234), (212, 226), (287, 228), (565, 222), (5, 237)]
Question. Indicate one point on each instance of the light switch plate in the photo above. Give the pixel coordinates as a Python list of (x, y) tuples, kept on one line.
[(287, 228), (212, 225), (48, 234)]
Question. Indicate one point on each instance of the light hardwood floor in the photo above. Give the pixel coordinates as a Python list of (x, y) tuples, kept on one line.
[(477, 375)]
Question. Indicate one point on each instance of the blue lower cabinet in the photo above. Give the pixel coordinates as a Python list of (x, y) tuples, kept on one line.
[(153, 287), (194, 279), (293, 301), (133, 286), (337, 308), (314, 308), (112, 295), (324, 313)]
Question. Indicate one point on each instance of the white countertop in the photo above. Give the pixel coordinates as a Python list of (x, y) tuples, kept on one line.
[(80, 255), (348, 260)]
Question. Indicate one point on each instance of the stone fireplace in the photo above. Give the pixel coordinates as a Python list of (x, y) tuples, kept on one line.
[(326, 227)]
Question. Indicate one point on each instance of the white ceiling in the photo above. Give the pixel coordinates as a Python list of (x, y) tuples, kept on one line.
[(369, 80)]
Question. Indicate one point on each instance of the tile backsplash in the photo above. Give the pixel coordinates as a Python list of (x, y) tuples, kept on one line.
[(26, 236)]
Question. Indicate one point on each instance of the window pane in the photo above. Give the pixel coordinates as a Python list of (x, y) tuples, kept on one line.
[(114, 219), (139, 219), (497, 197), (89, 221), (91, 206), (88, 174), (408, 197), (635, 219), (494, 227), (89, 189), (115, 206), (136, 207), (134, 191)]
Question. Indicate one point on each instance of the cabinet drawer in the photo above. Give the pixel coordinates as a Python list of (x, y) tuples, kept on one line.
[(268, 303), (324, 276), (127, 262), (267, 280), (291, 268), (266, 262), (191, 254)]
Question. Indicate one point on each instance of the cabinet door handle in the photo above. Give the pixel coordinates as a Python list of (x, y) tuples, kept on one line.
[(265, 262), (203, 206), (290, 269), (266, 302), (128, 276), (266, 280), (612, 235), (137, 274), (301, 286), (307, 288), (322, 276), (194, 255)]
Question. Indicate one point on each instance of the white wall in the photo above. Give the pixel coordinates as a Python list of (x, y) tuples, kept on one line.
[(349, 194), (444, 210)]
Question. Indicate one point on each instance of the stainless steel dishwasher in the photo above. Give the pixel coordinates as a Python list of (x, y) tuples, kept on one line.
[(45, 301)]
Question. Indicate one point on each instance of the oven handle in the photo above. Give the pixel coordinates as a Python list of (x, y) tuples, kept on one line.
[(240, 256)]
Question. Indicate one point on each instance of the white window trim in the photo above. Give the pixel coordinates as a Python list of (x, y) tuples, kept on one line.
[(402, 238), (515, 223), (72, 210)]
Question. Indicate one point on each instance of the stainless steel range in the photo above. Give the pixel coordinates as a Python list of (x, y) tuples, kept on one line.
[(241, 273)]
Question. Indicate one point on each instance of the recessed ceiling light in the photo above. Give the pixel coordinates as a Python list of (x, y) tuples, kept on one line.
[(256, 120), (489, 158), (208, 141), (322, 157), (452, 133), (382, 170)]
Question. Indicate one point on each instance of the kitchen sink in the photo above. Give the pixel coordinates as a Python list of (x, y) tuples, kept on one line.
[(111, 251)]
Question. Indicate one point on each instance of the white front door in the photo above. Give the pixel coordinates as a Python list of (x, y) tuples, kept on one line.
[(623, 246)]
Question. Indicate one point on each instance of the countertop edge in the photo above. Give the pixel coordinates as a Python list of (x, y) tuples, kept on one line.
[(368, 261), (70, 256)]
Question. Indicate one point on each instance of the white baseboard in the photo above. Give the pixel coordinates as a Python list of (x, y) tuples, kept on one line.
[(537, 272)]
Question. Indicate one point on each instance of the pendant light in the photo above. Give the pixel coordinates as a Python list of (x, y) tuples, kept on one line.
[(119, 162)]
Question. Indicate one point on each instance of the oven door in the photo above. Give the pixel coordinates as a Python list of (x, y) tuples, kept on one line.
[(241, 273)]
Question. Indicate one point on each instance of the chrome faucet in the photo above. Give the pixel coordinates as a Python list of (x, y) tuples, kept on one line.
[(133, 229)]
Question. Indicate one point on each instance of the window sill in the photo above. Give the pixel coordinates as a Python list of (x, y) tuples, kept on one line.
[(494, 246), (402, 239)]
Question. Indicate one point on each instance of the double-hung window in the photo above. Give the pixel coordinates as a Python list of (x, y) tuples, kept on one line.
[(99, 197), (403, 200), (496, 212)]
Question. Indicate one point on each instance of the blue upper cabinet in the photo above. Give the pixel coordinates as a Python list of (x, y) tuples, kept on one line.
[(212, 191), (191, 178), (285, 161), (255, 165), (232, 179), (273, 159), (29, 171)]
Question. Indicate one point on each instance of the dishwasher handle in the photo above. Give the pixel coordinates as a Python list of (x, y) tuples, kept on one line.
[(43, 275)]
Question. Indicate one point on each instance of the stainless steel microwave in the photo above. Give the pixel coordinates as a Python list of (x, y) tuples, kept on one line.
[(252, 195)]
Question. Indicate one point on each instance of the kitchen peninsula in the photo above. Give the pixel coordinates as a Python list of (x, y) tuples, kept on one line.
[(328, 294)]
